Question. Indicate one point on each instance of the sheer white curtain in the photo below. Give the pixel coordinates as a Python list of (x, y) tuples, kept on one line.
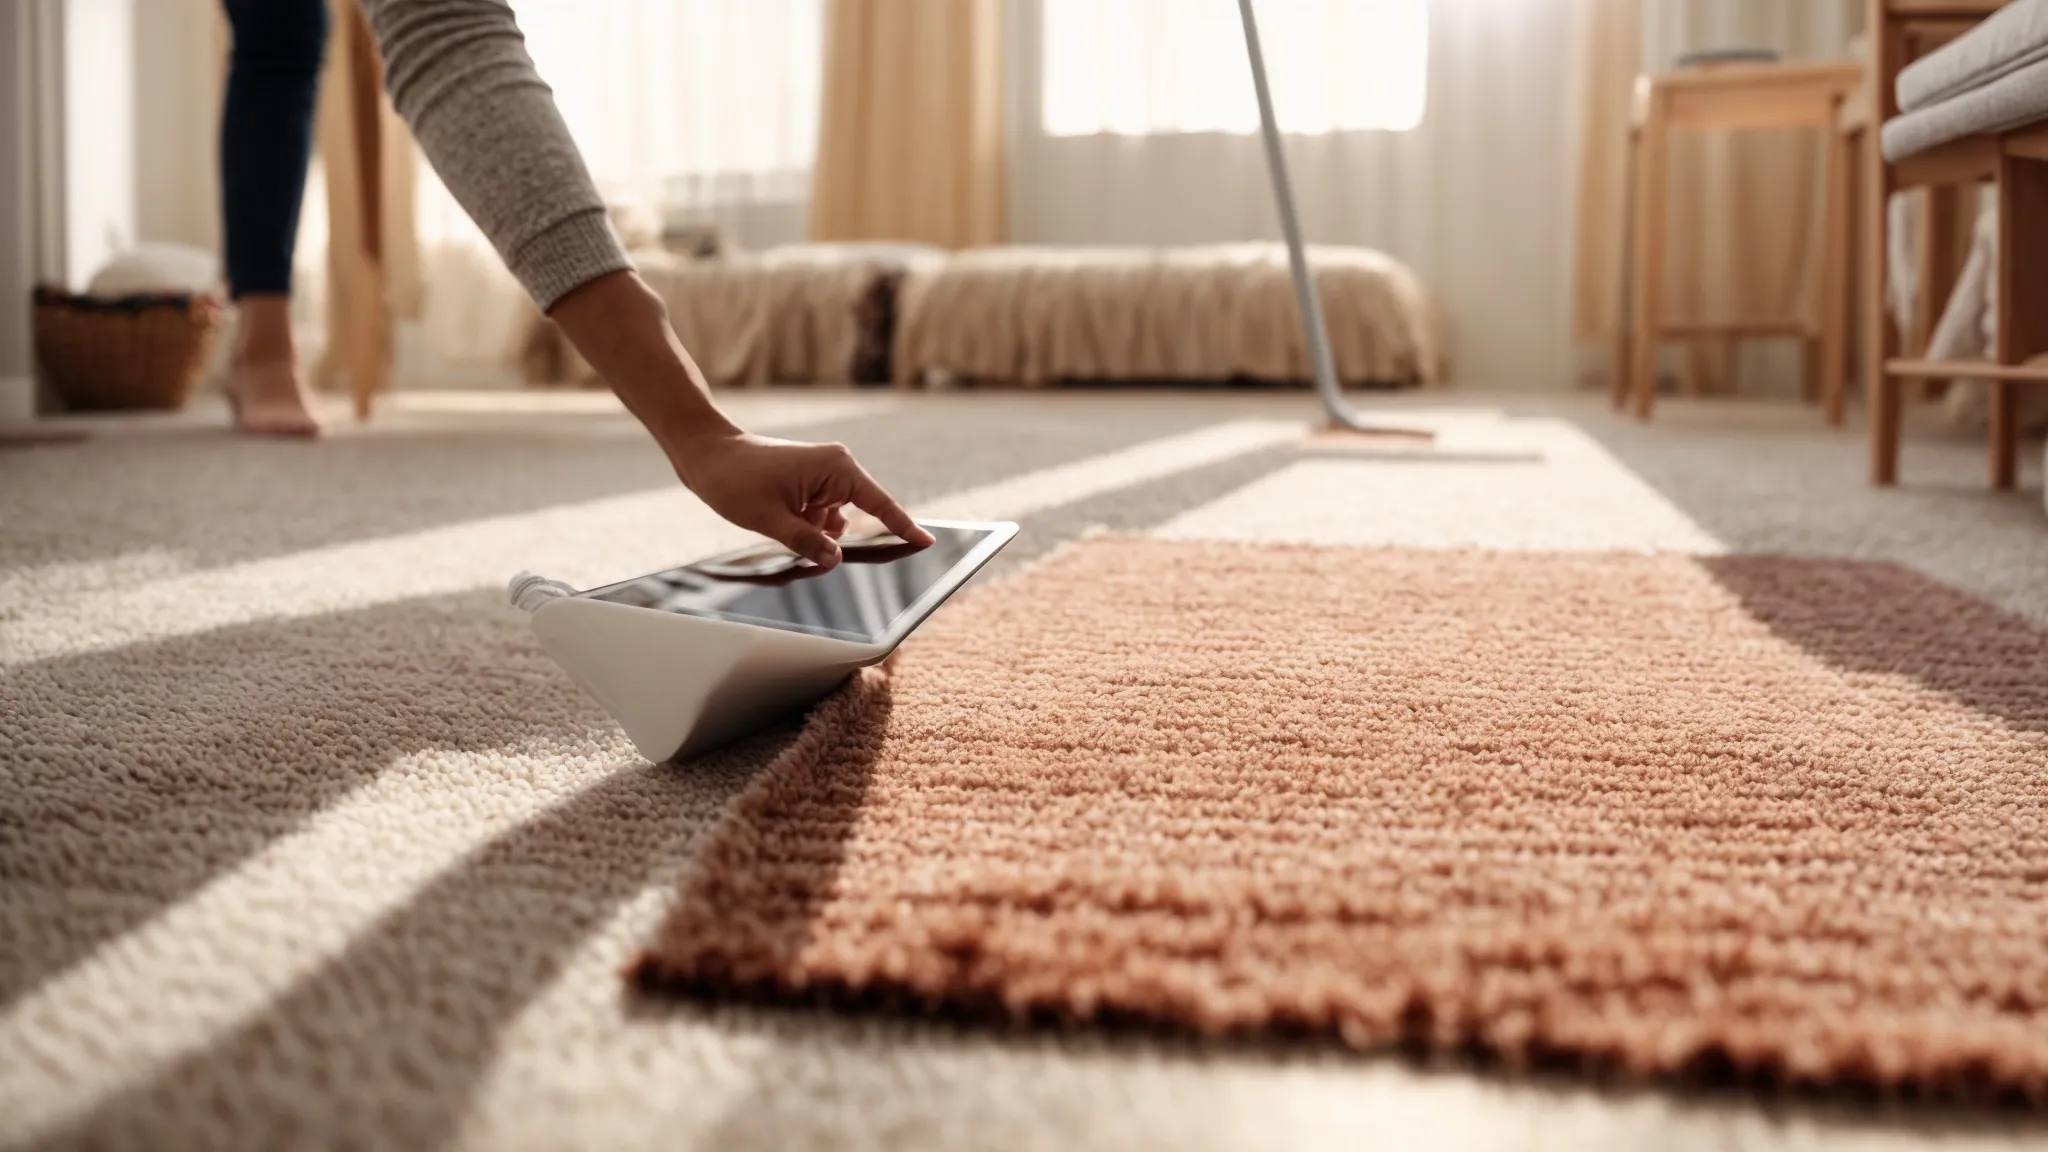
[(1438, 131), (688, 112), (1138, 67)]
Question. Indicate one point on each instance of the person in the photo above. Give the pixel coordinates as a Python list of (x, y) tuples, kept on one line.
[(460, 77)]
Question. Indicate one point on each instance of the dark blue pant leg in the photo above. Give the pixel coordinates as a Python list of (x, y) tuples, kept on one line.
[(266, 136)]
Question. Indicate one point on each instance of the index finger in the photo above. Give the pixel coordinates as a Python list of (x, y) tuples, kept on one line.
[(869, 497)]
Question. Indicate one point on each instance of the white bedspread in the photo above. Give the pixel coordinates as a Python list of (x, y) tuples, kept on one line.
[(1041, 315)]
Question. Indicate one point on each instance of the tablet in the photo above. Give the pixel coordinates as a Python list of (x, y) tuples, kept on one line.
[(881, 589)]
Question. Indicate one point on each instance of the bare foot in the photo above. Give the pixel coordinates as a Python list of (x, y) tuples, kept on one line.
[(270, 398)]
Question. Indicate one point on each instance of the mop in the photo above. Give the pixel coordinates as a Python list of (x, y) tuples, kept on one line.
[(1342, 416)]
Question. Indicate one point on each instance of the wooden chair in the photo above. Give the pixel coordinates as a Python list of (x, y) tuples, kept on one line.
[(2017, 163), (1732, 97)]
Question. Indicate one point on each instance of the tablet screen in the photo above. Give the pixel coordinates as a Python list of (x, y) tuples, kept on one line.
[(860, 599)]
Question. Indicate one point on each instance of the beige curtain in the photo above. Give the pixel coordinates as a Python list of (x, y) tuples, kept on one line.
[(910, 139), (1610, 34), (1746, 216)]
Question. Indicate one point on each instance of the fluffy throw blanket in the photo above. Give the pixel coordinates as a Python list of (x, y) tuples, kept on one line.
[(1038, 315), (806, 313)]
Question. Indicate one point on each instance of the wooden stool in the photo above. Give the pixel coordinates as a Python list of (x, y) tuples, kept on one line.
[(1731, 97)]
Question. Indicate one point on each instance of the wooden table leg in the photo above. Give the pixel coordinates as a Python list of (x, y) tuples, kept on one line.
[(1833, 351), (1939, 264), (1624, 302), (1880, 336), (1724, 365), (2022, 299), (1696, 375), (1617, 384), (355, 209), (1647, 278)]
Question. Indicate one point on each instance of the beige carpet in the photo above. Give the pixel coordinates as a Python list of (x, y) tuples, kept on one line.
[(305, 844), (1640, 811)]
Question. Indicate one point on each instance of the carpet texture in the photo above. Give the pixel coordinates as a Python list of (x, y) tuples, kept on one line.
[(1781, 817), (305, 844)]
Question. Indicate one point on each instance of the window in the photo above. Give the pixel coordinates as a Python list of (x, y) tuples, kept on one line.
[(684, 110), (685, 100), (687, 112), (1145, 67)]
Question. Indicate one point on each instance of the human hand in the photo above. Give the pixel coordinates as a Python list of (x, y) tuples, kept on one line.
[(795, 494)]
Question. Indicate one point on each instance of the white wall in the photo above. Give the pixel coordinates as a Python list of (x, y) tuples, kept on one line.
[(177, 121), (17, 213), (141, 121), (99, 134)]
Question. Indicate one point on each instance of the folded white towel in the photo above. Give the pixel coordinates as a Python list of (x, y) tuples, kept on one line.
[(2002, 43), (2012, 100)]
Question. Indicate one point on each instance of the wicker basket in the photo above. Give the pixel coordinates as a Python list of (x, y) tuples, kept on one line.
[(101, 353)]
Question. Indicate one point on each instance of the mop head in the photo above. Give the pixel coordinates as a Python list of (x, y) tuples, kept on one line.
[(1341, 421), (1334, 430)]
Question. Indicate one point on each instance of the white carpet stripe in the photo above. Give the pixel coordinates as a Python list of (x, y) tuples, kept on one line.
[(24, 589), (31, 589), (1566, 493), (771, 413), (1021, 496), (177, 982), (346, 577), (585, 543), (765, 412)]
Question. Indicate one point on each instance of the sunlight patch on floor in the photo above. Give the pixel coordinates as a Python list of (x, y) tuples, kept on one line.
[(1538, 484), (1020, 496), (176, 983), (750, 409), (764, 411), (607, 535), (584, 544), (24, 589)]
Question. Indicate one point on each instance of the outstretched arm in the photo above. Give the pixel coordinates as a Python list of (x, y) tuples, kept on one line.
[(460, 76)]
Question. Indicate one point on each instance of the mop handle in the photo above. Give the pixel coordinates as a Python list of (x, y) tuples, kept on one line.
[(1283, 192)]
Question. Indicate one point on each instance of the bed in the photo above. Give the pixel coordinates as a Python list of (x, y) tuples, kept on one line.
[(910, 314), (1042, 315), (809, 313)]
